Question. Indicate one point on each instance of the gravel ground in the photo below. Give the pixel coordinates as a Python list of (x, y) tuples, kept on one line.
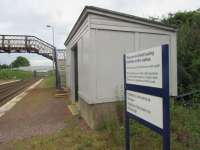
[(3, 81), (38, 113)]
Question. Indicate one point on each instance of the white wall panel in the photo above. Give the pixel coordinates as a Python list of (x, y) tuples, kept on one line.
[(84, 66), (147, 40), (110, 47)]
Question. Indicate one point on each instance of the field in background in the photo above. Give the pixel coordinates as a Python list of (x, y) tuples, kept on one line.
[(8, 74)]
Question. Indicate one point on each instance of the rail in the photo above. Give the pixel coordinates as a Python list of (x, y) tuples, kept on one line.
[(190, 98), (9, 90)]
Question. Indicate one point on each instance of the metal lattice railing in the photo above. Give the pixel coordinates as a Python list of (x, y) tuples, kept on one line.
[(29, 44), (24, 43)]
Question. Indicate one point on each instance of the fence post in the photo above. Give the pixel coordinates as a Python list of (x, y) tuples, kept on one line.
[(126, 120)]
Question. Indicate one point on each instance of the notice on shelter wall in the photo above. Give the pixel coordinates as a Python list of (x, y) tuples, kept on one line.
[(145, 67), (146, 107)]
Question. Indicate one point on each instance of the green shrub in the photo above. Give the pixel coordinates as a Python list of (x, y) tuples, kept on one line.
[(113, 129)]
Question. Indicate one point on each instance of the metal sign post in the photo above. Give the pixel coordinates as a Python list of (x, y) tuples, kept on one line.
[(146, 91)]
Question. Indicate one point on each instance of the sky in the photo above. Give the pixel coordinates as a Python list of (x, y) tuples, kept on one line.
[(31, 17)]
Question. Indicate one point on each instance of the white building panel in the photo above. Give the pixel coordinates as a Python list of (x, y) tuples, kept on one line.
[(110, 47), (102, 39), (84, 67)]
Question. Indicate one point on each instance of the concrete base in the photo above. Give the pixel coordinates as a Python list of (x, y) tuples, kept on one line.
[(94, 114)]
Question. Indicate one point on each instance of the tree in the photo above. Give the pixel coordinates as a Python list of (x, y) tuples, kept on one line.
[(20, 62), (188, 45), (4, 66)]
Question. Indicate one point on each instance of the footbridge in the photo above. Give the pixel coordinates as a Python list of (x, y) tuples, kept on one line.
[(30, 44)]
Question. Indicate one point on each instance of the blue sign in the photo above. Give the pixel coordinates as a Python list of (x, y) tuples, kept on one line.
[(146, 91)]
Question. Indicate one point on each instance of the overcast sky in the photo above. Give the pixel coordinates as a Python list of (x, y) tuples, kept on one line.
[(31, 17)]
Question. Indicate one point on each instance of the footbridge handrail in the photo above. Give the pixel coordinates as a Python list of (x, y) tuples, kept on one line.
[(25, 43), (29, 44)]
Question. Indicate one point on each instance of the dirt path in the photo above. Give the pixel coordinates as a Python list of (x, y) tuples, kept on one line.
[(37, 113)]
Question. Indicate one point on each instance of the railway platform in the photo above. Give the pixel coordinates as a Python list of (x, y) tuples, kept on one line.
[(38, 113)]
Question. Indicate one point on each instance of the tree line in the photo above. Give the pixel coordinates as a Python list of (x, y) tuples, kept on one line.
[(188, 48), (18, 62)]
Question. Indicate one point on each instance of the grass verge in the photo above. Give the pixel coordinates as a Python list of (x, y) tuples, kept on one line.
[(185, 135), (49, 81), (6, 74), (72, 137)]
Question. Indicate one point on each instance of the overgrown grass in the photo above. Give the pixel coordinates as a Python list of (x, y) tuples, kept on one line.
[(185, 131), (6, 74), (50, 80), (185, 135), (185, 127), (72, 137)]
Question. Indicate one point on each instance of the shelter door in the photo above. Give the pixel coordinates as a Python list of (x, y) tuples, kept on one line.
[(75, 53)]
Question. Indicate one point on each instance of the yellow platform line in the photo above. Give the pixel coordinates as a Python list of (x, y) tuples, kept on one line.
[(73, 109)]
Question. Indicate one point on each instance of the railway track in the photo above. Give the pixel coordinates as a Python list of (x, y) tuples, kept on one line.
[(10, 90)]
